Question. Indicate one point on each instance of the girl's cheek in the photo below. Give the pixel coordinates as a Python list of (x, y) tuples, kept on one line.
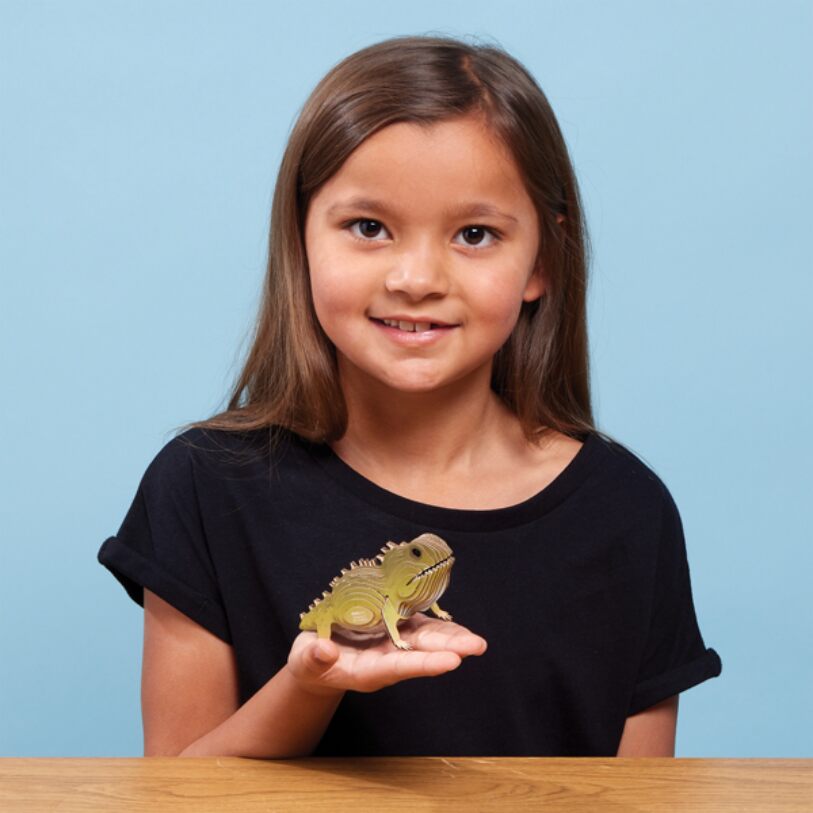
[(502, 301), (335, 295), (334, 286)]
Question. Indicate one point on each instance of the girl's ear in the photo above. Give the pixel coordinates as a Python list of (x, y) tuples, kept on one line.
[(535, 286)]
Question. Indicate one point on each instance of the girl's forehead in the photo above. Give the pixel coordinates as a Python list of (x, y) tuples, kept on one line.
[(449, 160)]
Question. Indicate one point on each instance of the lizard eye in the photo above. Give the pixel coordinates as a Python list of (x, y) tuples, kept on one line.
[(416, 552)]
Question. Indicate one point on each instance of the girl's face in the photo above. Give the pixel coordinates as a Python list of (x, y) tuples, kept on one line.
[(427, 227)]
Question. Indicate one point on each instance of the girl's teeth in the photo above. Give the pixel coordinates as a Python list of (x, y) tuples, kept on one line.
[(411, 327)]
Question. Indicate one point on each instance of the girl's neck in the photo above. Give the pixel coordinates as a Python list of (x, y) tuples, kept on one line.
[(425, 435)]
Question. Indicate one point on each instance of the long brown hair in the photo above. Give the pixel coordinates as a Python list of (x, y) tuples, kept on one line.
[(290, 377)]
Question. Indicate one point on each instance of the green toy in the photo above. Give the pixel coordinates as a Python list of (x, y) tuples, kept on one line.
[(377, 594)]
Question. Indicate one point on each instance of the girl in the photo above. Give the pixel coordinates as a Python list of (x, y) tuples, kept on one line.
[(419, 365)]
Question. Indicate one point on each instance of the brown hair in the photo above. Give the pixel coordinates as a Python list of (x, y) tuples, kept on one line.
[(290, 378)]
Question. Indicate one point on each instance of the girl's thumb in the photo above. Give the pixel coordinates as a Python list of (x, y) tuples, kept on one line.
[(324, 654)]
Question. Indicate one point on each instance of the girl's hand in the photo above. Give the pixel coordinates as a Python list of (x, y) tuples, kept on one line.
[(325, 666)]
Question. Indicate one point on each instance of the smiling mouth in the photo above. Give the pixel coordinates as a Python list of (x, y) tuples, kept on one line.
[(411, 327)]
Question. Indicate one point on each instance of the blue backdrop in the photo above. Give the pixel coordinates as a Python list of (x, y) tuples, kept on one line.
[(139, 143)]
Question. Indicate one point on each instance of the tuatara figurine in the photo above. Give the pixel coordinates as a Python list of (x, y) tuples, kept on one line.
[(377, 594)]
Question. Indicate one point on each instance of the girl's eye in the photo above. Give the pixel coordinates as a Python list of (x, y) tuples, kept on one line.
[(368, 229), (474, 235), (478, 233)]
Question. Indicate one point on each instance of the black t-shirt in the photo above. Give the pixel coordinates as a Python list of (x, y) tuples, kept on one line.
[(582, 591)]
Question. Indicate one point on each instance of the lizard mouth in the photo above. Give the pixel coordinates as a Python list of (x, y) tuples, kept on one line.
[(443, 563)]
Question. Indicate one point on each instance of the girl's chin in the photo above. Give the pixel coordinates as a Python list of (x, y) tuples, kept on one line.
[(415, 385), (410, 387), (409, 378)]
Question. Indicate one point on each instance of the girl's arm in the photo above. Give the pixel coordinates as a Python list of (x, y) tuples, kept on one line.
[(652, 732), (189, 697), (189, 684)]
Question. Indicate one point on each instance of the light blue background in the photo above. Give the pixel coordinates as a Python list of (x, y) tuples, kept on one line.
[(139, 145)]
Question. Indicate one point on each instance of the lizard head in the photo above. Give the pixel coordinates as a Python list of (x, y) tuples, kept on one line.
[(412, 566)]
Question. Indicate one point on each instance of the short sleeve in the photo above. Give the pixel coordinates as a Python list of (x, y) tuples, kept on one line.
[(674, 656), (161, 544)]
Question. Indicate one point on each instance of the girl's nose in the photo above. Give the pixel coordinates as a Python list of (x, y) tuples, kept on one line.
[(418, 274)]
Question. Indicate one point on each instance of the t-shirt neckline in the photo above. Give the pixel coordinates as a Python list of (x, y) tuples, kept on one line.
[(461, 519)]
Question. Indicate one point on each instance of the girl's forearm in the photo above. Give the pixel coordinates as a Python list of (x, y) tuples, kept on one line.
[(281, 720)]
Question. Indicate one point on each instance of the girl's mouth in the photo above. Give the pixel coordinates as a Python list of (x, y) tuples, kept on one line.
[(412, 333), (415, 327)]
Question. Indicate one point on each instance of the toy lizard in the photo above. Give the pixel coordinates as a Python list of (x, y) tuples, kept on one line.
[(377, 594)]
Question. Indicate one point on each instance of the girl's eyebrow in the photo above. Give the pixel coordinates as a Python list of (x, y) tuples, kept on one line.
[(467, 210)]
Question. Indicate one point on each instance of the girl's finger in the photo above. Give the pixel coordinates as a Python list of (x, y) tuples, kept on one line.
[(415, 663), (455, 639)]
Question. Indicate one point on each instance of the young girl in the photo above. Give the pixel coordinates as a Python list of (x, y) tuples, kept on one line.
[(420, 364)]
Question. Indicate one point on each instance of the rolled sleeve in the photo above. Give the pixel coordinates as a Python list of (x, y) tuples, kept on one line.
[(161, 544), (674, 656)]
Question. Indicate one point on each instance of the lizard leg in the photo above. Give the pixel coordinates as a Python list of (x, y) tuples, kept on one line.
[(323, 625), (390, 615), (442, 614)]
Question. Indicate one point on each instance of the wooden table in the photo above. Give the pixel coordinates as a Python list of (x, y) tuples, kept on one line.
[(414, 784)]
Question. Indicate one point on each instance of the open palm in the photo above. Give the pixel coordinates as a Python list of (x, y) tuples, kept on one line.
[(366, 666)]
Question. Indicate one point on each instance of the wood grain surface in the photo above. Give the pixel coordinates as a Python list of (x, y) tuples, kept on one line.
[(398, 784)]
